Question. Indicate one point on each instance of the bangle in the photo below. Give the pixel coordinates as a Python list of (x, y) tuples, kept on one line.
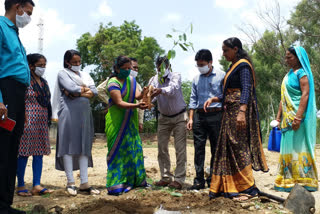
[(296, 118), (242, 111)]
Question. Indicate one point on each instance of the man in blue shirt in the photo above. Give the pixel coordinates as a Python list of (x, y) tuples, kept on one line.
[(204, 124), (14, 79)]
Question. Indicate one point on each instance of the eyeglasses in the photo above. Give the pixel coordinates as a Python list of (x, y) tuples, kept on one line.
[(135, 67)]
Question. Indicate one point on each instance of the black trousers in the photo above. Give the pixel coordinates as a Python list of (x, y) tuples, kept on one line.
[(205, 125), (13, 94)]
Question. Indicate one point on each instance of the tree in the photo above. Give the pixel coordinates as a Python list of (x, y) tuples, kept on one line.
[(186, 91), (108, 43)]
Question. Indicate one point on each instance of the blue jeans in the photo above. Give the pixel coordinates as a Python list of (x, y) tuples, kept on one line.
[(36, 168)]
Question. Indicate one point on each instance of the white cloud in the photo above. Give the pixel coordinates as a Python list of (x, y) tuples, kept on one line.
[(229, 4), (172, 17), (104, 10)]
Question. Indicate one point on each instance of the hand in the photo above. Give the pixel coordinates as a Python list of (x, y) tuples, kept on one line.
[(207, 104), (142, 106), (241, 121), (3, 112), (156, 92), (88, 94), (296, 124), (140, 127), (189, 125)]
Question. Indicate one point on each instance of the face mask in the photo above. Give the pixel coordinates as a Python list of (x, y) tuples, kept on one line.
[(133, 73), (166, 73), (23, 20), (76, 68), (39, 71), (204, 69), (123, 73)]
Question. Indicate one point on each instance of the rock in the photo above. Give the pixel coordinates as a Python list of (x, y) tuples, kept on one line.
[(246, 205), (38, 209), (300, 200), (73, 206)]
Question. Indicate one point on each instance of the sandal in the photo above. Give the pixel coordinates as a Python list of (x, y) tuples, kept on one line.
[(24, 193), (72, 190), (90, 191), (44, 191)]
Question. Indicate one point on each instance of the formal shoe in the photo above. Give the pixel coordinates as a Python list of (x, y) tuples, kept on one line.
[(161, 183), (196, 187), (15, 211), (175, 185)]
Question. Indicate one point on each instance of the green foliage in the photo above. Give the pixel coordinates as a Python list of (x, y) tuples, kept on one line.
[(179, 38), (110, 42), (150, 126), (186, 91)]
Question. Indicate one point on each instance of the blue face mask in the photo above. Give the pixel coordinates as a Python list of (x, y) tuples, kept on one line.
[(123, 73)]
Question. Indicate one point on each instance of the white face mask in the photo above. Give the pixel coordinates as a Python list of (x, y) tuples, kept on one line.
[(39, 71), (76, 68), (166, 73), (133, 73), (23, 20), (204, 69)]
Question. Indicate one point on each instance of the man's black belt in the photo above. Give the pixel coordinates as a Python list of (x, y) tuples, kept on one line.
[(174, 115), (209, 110)]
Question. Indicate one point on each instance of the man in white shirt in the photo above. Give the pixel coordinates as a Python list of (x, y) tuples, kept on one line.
[(173, 118)]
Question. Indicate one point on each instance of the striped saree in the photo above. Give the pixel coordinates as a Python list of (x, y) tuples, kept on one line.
[(125, 156)]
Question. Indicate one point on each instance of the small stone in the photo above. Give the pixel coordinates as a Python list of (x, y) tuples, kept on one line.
[(257, 206), (245, 205), (73, 206)]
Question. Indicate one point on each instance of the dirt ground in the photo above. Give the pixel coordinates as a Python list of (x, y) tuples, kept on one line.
[(150, 200)]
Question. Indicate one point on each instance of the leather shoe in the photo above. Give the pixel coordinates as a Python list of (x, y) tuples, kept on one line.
[(15, 211), (161, 183), (175, 185), (196, 187)]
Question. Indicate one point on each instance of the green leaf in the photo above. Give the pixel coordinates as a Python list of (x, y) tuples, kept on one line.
[(191, 26), (183, 47), (176, 194), (184, 37), (169, 36), (180, 37), (173, 54), (169, 55)]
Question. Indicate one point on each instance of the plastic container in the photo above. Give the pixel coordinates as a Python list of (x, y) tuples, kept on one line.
[(274, 140)]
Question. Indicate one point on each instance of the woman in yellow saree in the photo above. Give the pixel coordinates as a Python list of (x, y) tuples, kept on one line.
[(297, 114)]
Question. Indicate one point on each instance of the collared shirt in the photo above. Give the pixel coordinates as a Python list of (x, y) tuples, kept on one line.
[(205, 87), (13, 59), (170, 101)]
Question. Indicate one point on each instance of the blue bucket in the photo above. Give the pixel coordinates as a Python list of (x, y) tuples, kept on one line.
[(274, 140)]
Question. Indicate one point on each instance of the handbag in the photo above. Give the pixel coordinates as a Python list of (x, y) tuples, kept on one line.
[(274, 140)]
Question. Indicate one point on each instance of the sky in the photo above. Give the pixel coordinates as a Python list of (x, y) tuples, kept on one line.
[(213, 21)]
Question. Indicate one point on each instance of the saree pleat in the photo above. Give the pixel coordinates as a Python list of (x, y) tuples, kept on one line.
[(125, 156)]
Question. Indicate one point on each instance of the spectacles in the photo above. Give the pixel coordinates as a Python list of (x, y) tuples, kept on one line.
[(135, 67)]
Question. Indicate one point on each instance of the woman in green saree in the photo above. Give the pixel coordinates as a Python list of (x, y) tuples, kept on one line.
[(297, 114), (125, 156)]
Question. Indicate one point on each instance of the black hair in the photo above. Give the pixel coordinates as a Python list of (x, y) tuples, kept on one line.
[(293, 51), (235, 42), (34, 58), (133, 59), (162, 59), (119, 62), (9, 3), (203, 54), (68, 56)]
